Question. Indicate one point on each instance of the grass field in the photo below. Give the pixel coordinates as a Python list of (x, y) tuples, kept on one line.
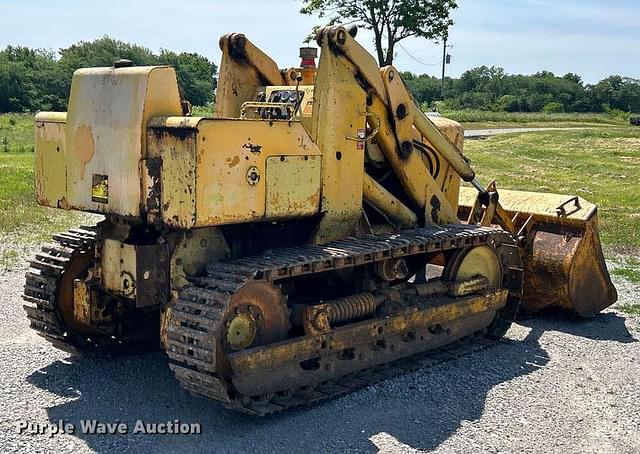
[(22, 222), (16, 133), (601, 165)]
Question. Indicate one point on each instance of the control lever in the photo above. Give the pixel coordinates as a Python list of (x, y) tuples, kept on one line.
[(298, 80)]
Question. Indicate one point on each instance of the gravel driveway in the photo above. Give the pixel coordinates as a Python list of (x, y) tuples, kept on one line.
[(556, 385), (484, 133)]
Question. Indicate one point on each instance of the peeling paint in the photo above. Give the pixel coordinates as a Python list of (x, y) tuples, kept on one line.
[(253, 148), (83, 147)]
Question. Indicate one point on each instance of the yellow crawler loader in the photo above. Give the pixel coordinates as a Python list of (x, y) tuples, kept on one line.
[(311, 237)]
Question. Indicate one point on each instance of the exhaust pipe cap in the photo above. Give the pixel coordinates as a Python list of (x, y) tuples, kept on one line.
[(122, 63)]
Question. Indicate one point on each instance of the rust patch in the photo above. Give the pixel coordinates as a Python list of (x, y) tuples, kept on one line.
[(233, 162), (64, 204), (83, 147), (154, 195)]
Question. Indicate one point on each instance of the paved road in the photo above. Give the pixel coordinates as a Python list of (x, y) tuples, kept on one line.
[(558, 385), (481, 133)]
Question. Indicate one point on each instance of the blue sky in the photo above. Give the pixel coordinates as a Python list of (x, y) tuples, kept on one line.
[(593, 38)]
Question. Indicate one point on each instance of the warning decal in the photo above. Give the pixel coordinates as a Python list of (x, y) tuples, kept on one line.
[(100, 188)]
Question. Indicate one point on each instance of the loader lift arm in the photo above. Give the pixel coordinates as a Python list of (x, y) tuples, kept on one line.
[(398, 123), (561, 251)]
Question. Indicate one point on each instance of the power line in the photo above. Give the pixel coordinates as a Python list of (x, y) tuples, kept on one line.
[(415, 59)]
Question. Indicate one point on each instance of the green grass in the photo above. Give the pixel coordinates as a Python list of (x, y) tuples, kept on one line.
[(8, 258), (630, 274), (629, 269), (22, 220), (203, 111), (16, 133), (479, 119), (601, 165), (630, 309)]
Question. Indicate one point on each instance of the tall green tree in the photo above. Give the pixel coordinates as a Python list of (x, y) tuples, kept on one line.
[(391, 21), (196, 74), (30, 79)]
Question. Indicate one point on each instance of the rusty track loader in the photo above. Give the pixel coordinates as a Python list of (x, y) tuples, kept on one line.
[(310, 238)]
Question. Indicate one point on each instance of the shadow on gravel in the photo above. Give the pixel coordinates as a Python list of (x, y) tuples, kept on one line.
[(420, 410), (607, 326)]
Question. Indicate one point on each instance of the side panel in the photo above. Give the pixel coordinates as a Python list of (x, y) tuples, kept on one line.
[(231, 169), (51, 174), (293, 185), (223, 171), (177, 150)]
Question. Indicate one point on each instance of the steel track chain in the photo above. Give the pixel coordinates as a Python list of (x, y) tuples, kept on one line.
[(196, 317), (41, 293), (43, 281)]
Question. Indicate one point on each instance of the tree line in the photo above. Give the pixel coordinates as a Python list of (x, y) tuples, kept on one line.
[(483, 88), (37, 79), (491, 89)]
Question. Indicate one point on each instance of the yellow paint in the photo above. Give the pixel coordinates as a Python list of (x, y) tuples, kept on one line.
[(388, 92), (244, 68), (51, 160), (447, 180), (194, 249), (381, 199), (105, 132), (270, 357), (205, 167), (411, 171), (540, 204), (480, 261), (293, 186), (81, 302), (397, 96), (449, 151), (118, 268), (178, 177), (339, 112)]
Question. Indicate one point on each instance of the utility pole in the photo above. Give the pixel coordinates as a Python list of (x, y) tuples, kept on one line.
[(444, 66)]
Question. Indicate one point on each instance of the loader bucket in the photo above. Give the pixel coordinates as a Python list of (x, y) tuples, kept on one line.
[(561, 252)]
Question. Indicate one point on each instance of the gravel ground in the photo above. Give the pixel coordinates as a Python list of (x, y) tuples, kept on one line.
[(557, 385)]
